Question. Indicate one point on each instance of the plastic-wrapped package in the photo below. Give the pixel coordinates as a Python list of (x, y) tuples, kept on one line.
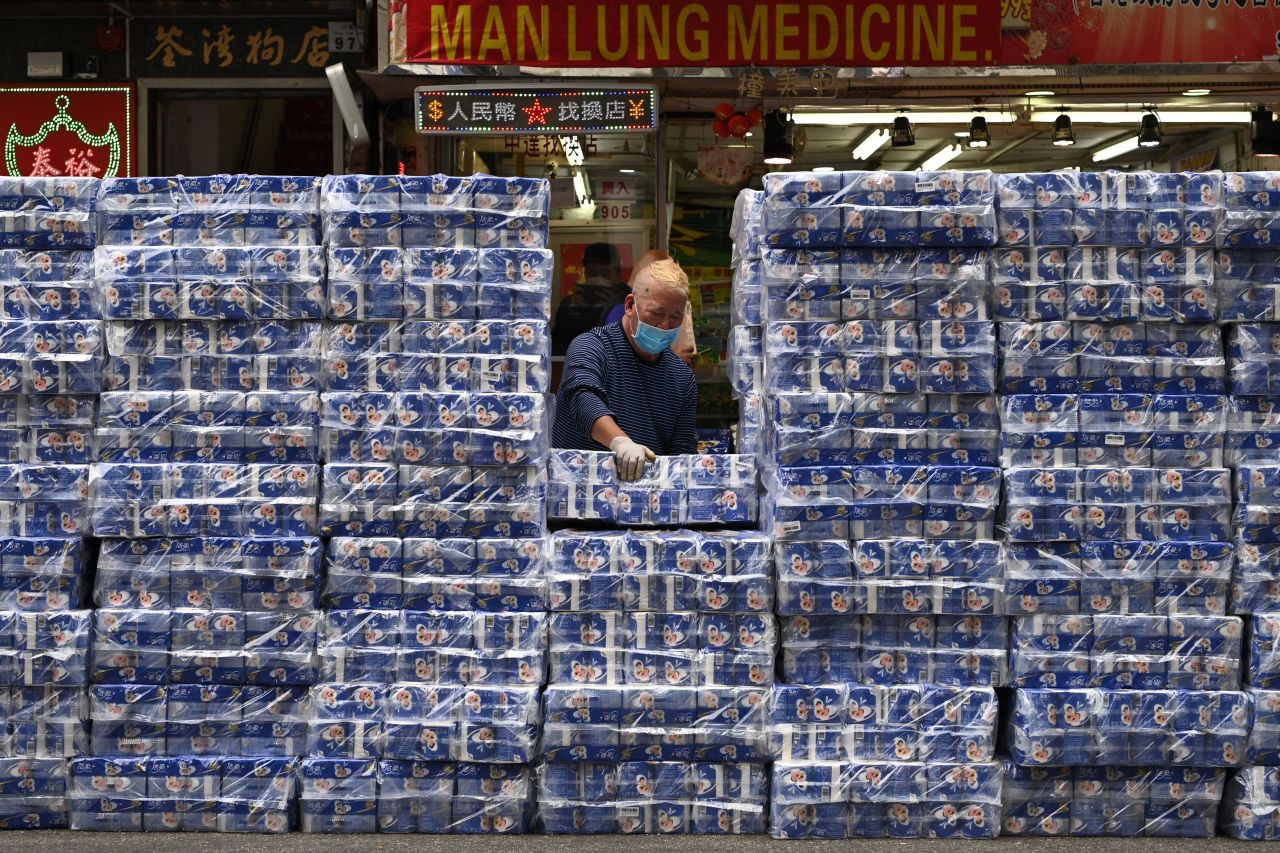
[(431, 647), (107, 794), (1248, 285), (180, 499), (669, 798), (718, 572), (953, 650), (870, 799), (674, 490), (1257, 504), (44, 722), (1127, 651), (1129, 728), (1251, 803), (45, 648), (258, 575), (842, 722), (1075, 504), (587, 722), (1111, 801), (1250, 202), (902, 576), (1264, 735), (49, 212), (662, 649), (1255, 586), (339, 795), (1252, 348), (33, 793), (495, 724), (1263, 664)]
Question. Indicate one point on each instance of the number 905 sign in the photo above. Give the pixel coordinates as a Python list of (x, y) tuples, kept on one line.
[(613, 211)]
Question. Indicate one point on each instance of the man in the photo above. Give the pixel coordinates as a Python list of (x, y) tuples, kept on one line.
[(623, 388), (601, 285), (685, 346)]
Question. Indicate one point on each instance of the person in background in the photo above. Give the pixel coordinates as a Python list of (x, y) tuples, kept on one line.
[(601, 287), (685, 346), (623, 388)]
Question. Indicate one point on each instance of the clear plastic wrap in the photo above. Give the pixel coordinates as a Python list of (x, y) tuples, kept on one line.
[(43, 500), (49, 212), (196, 499), (667, 649), (1263, 662), (1257, 504), (433, 501), (667, 798), (1251, 804), (841, 722), (1129, 728), (902, 576), (1254, 349), (432, 647), (45, 648), (1249, 285), (263, 576), (223, 647), (1127, 651), (1118, 577), (958, 651), (33, 793), (882, 502), (421, 722), (1083, 504), (1128, 802), (711, 488), (43, 573), (591, 723), (44, 722), (876, 799), (714, 572)]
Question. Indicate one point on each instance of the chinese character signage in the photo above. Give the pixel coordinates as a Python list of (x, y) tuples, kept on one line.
[(238, 47), (77, 131), (712, 33), (542, 110)]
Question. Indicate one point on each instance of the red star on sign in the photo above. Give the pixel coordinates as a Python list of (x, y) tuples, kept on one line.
[(537, 113)]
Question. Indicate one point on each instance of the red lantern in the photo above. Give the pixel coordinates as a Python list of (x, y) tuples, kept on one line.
[(738, 126), (724, 111), (720, 129), (754, 115)]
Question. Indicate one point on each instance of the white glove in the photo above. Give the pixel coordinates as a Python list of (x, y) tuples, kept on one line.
[(629, 457)]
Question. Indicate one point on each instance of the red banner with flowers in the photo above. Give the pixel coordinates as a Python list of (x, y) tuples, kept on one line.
[(75, 131), (1124, 32)]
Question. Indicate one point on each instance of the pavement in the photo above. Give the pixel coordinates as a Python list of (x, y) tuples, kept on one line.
[(194, 842)]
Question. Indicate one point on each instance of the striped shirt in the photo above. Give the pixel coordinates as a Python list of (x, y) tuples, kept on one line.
[(653, 402)]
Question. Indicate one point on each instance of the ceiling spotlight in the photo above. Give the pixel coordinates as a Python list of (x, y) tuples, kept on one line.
[(1063, 133), (903, 135), (979, 136), (1149, 135), (778, 150), (1265, 139)]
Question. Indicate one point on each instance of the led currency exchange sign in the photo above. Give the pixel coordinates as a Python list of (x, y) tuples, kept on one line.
[(483, 109), (701, 34)]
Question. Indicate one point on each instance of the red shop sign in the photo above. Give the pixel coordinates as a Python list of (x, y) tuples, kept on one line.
[(77, 131)]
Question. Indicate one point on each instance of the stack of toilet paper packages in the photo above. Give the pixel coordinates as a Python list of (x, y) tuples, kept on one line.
[(1132, 802), (710, 488)]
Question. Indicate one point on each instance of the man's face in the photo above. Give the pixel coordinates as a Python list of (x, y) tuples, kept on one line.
[(598, 272), (663, 309)]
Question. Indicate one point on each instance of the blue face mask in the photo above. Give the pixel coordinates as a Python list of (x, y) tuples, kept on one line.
[(653, 340)]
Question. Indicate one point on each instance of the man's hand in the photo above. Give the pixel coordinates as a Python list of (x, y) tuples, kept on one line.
[(629, 457)]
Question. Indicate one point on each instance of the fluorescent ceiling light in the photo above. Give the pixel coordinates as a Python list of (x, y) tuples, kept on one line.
[(941, 157), (1041, 93), (627, 171), (1196, 93), (844, 119), (824, 168), (573, 153), (1135, 116), (962, 134), (873, 143), (1113, 151)]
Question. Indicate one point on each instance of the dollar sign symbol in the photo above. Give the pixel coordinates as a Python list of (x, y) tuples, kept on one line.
[(434, 111)]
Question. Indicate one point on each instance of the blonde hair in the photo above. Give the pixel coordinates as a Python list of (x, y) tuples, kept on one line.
[(662, 276)]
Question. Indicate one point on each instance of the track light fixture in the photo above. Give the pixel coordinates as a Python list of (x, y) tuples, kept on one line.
[(1063, 133), (778, 150), (979, 136), (903, 135), (1149, 135)]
